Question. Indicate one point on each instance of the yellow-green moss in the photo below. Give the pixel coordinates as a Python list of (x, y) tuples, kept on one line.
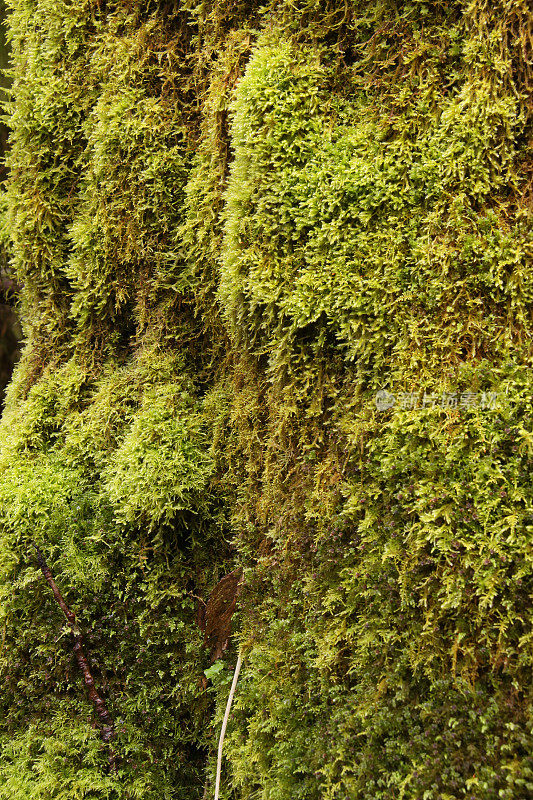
[(233, 226)]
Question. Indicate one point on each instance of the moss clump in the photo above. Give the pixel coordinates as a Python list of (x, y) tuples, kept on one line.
[(234, 226), (371, 223)]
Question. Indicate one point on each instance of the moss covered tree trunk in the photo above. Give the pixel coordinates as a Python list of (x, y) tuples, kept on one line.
[(277, 300)]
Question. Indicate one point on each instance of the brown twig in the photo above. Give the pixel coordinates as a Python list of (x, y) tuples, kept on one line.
[(107, 725)]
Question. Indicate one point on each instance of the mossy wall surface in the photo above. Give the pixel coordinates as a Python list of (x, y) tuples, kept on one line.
[(234, 224)]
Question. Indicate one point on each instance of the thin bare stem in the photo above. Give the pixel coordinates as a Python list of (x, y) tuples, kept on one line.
[(225, 723)]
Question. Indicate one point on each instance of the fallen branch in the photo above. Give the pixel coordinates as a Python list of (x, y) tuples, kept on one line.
[(108, 729)]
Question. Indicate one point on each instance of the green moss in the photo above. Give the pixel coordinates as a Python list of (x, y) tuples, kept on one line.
[(233, 226), (162, 467), (358, 227)]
